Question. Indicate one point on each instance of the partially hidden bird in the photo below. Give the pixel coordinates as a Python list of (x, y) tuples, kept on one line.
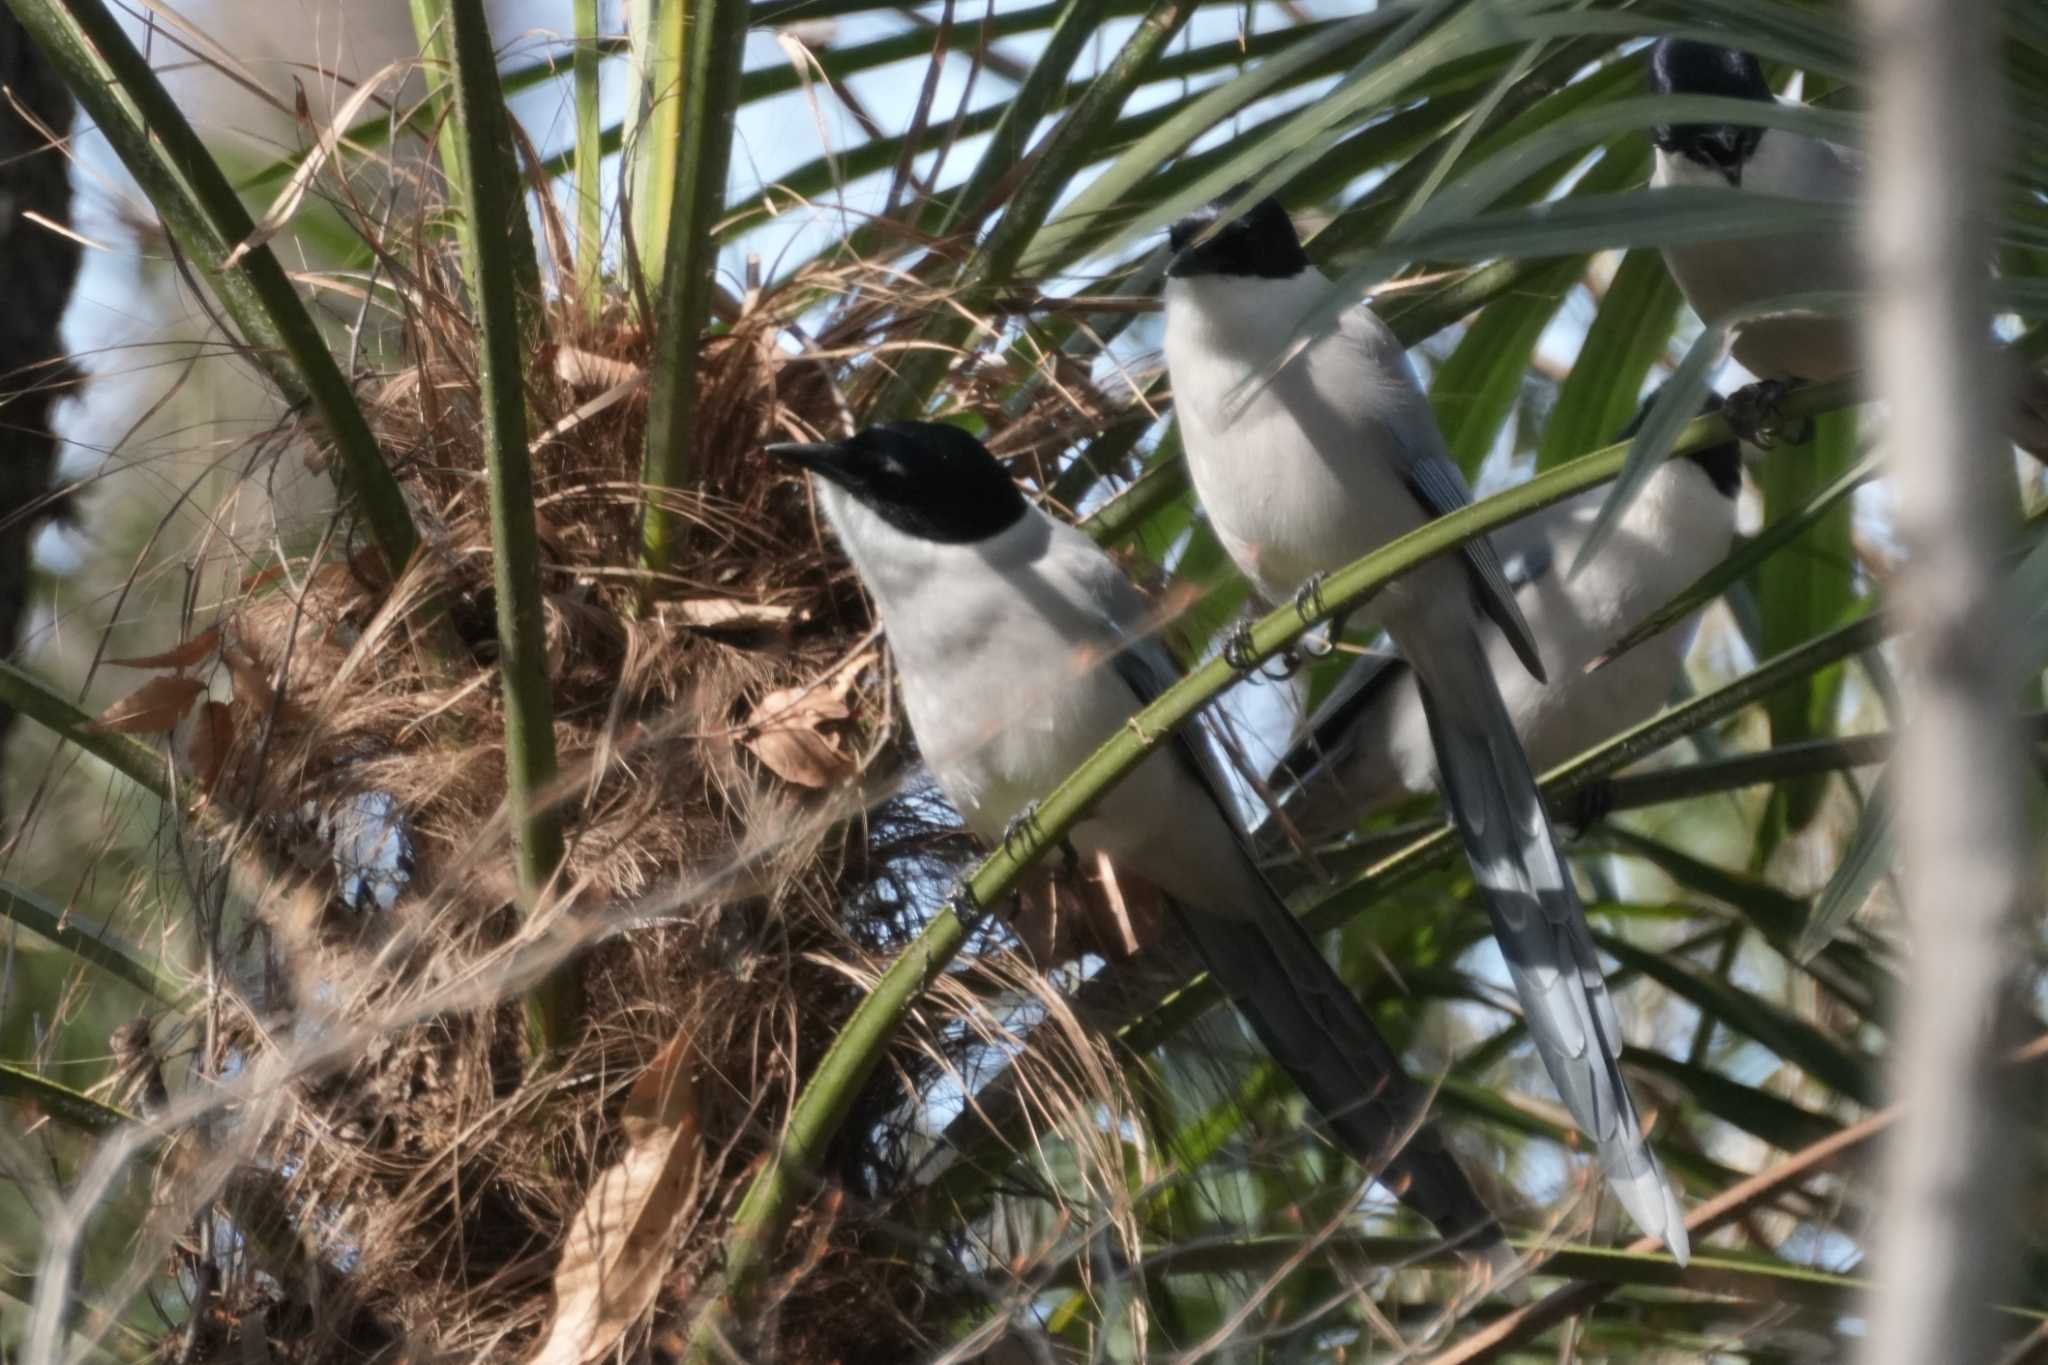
[(1722, 278), (1308, 453), (1367, 744), (1020, 648)]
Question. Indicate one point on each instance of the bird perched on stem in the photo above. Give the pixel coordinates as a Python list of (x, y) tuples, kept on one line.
[(1021, 648), (1721, 279), (1309, 456), (1368, 743)]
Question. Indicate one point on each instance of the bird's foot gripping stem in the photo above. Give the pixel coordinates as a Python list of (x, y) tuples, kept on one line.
[(1752, 414), (1241, 655)]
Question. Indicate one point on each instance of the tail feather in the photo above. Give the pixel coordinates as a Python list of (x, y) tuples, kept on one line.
[(1318, 1033), (1539, 923)]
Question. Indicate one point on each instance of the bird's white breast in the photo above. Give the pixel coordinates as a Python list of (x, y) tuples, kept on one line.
[(1720, 278), (1299, 472)]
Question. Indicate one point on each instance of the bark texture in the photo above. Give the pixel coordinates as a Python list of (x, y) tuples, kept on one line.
[(37, 270)]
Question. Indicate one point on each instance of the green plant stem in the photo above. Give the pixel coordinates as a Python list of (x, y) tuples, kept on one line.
[(828, 1096), (206, 220), (62, 1103), (98, 948), (589, 166), (430, 27), (658, 31), (33, 698), (492, 192), (689, 267)]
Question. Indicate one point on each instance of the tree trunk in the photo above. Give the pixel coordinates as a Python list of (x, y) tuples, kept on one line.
[(37, 269), (1944, 1235)]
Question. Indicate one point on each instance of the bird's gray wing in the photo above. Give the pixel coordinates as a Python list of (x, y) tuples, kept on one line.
[(1310, 1022), (1440, 488)]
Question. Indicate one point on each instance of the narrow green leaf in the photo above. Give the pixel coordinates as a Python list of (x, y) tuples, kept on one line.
[(1866, 862), (98, 946), (1475, 388), (31, 697), (67, 1106), (1807, 586), (430, 30), (589, 165), (682, 309), (1774, 1119), (1780, 1030), (1627, 337), (658, 30)]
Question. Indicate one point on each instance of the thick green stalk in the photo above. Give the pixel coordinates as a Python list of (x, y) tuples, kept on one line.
[(32, 698), (492, 192), (654, 121), (829, 1095), (683, 301), (589, 166), (430, 30), (206, 219)]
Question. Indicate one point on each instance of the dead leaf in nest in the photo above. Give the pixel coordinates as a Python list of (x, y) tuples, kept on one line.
[(252, 686), (155, 708), (255, 581), (581, 369), (213, 734), (730, 613), (1102, 910), (195, 650), (623, 1238), (786, 729)]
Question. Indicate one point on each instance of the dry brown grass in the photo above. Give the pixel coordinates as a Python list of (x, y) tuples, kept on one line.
[(396, 1172)]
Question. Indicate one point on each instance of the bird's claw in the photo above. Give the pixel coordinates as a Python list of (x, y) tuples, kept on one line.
[(1586, 807), (1240, 654), (1752, 414), (1308, 599), (1023, 828)]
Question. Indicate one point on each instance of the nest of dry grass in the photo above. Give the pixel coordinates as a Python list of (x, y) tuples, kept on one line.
[(398, 1175)]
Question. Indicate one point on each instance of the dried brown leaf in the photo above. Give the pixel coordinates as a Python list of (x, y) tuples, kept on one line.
[(786, 730), (155, 708), (213, 734), (195, 650), (581, 369), (730, 613), (252, 686), (622, 1240)]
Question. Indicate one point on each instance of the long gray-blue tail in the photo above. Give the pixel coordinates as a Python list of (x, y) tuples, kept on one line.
[(1537, 918), (1318, 1033)]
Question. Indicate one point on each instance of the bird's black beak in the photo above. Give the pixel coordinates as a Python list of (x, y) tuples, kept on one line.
[(819, 457)]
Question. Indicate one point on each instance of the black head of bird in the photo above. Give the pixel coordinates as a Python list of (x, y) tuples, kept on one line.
[(1259, 243), (1682, 66), (926, 479)]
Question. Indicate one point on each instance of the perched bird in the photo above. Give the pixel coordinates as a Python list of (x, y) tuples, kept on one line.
[(1368, 744), (1720, 278), (1309, 466), (1021, 648)]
